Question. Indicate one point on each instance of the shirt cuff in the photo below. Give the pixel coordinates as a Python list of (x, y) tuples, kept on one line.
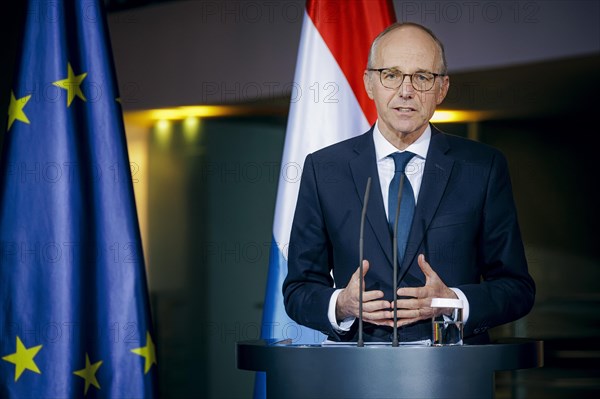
[(345, 325), (461, 295)]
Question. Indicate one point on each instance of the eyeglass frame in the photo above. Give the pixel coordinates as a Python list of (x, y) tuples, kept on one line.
[(404, 75)]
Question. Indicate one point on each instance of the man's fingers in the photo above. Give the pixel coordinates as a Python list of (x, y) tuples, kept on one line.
[(406, 322), (412, 303), (378, 315), (372, 295), (382, 318), (415, 292), (365, 266), (374, 306), (416, 314), (425, 267)]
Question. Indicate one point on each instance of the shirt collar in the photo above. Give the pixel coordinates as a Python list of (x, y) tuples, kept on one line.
[(384, 148)]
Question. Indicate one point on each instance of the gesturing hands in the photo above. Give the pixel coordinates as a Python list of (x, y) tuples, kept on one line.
[(379, 311), (375, 309), (419, 306)]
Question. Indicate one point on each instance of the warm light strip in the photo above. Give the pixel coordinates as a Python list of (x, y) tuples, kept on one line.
[(149, 117), (448, 116), (202, 111)]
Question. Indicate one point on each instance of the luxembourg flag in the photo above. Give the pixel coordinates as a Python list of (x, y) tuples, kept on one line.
[(329, 104)]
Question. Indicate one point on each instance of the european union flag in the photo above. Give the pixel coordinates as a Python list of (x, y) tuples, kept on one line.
[(74, 315)]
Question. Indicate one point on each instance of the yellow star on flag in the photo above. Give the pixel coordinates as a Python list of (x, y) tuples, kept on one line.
[(72, 84), (15, 109), (89, 373), (23, 359), (148, 352)]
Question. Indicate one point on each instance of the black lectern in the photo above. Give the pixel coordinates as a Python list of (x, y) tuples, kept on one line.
[(382, 371)]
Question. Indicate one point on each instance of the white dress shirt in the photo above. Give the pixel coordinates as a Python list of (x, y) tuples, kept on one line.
[(385, 169)]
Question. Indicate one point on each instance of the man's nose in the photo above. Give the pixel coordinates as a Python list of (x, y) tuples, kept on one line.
[(406, 88)]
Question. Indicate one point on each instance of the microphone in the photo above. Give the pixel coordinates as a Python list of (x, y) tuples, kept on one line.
[(360, 341), (395, 260)]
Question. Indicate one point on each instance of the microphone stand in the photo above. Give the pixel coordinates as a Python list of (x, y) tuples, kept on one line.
[(360, 341), (395, 260)]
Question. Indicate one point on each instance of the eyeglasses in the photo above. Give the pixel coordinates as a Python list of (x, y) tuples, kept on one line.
[(392, 78)]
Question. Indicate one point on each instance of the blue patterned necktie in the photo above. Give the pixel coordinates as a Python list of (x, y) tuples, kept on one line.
[(407, 204)]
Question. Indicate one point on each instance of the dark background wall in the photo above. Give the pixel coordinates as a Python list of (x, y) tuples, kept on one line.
[(211, 208), (211, 195)]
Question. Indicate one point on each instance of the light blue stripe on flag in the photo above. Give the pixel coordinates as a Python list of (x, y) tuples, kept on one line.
[(276, 324)]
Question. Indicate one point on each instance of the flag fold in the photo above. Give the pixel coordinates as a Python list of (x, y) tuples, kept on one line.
[(75, 315)]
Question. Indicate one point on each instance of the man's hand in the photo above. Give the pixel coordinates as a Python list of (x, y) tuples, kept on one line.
[(375, 310), (419, 306)]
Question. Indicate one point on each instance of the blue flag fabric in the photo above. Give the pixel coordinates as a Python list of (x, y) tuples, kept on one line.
[(75, 319)]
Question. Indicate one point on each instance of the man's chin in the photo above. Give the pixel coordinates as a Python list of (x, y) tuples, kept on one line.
[(406, 129)]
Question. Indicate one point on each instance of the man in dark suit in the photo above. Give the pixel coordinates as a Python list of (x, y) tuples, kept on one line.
[(462, 237)]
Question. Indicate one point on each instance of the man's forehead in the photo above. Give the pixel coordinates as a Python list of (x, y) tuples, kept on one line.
[(409, 46), (400, 57)]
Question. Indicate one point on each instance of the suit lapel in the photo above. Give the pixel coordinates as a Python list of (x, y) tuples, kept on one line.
[(363, 167), (438, 167)]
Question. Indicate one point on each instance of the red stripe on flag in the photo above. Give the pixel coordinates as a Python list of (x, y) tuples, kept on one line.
[(348, 28)]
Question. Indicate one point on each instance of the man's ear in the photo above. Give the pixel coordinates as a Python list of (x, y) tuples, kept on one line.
[(368, 84), (443, 90)]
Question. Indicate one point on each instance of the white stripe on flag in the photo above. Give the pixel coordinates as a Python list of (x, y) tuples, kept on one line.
[(324, 110)]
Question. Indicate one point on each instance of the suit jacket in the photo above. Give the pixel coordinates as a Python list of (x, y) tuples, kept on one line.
[(465, 223)]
